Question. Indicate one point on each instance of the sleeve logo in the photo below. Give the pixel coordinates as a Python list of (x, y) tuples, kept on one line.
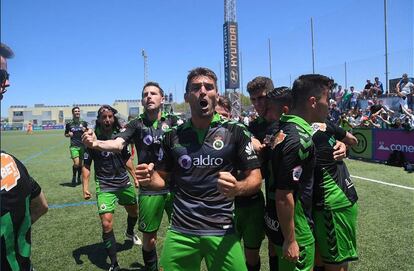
[(10, 174), (296, 173), (249, 149)]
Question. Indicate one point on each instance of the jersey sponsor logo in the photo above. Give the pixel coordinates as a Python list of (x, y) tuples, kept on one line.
[(148, 140), (10, 173), (271, 223), (185, 161), (395, 147), (296, 173), (249, 149), (207, 161), (218, 143), (201, 161)]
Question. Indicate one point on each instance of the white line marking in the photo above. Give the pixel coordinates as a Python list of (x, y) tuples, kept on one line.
[(385, 183)]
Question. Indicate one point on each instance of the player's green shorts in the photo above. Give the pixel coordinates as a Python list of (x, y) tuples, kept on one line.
[(184, 252), (106, 200), (151, 209), (249, 221), (76, 152), (305, 262), (335, 232)]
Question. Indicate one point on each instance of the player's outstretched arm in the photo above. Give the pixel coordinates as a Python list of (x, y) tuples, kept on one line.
[(113, 145), (86, 173), (38, 207), (148, 177), (230, 187), (285, 205)]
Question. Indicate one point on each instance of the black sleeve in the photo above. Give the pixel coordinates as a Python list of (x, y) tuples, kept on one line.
[(125, 154), (87, 157), (67, 127), (129, 131), (165, 159), (290, 166), (246, 155), (335, 130), (35, 188)]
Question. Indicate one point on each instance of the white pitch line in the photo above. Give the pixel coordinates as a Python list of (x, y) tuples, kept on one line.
[(385, 183)]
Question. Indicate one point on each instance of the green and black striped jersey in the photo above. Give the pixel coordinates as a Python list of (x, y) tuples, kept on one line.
[(77, 128), (146, 136), (292, 161), (194, 158), (333, 186)]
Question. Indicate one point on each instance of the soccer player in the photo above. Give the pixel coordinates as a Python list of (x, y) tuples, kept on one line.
[(112, 183), (22, 201), (202, 157), (223, 107), (335, 209), (74, 129), (145, 132), (292, 159)]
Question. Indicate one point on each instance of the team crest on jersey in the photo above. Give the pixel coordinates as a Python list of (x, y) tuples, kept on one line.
[(148, 140), (10, 174), (165, 127), (218, 143), (185, 161), (296, 173), (318, 126), (102, 207), (274, 140)]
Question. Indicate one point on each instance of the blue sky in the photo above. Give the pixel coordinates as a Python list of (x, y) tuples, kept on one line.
[(89, 51)]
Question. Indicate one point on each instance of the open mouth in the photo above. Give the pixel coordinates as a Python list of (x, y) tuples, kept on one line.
[(203, 103)]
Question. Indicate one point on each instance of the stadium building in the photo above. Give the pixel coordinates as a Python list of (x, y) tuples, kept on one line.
[(55, 116)]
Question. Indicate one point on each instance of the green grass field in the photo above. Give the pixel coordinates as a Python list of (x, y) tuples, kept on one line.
[(69, 238)]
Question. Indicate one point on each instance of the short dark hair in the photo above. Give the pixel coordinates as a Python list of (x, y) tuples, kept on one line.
[(280, 95), (309, 85), (75, 107), (153, 84), (224, 102), (260, 83), (6, 51), (200, 71)]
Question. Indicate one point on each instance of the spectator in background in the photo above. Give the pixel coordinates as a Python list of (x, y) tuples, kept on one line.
[(223, 107), (377, 89), (338, 97), (404, 88), (334, 112), (354, 97), (346, 100), (367, 89)]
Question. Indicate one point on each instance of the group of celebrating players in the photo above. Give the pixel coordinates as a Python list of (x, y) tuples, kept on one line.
[(207, 174)]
